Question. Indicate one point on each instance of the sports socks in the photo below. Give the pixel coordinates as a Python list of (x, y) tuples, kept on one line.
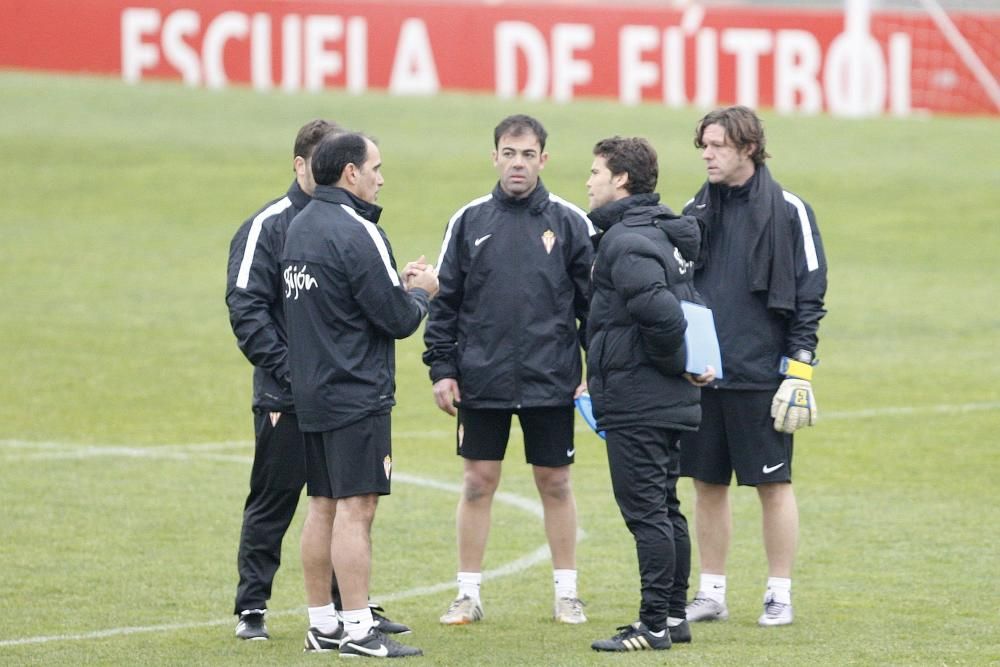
[(780, 588), (673, 622), (469, 584), (713, 587), (565, 583), (324, 618), (358, 622)]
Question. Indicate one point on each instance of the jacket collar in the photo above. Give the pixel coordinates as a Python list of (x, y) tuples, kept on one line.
[(335, 195), (605, 217), (296, 195), (535, 202)]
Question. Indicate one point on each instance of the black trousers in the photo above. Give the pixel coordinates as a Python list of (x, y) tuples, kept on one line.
[(645, 466), (276, 481)]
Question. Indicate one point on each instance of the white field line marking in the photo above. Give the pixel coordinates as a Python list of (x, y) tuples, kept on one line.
[(203, 451)]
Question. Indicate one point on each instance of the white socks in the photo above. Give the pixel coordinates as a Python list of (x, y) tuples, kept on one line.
[(469, 584), (324, 619), (780, 589), (565, 583), (358, 622), (713, 587)]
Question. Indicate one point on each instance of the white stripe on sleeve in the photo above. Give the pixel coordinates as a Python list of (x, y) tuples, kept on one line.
[(453, 220), (379, 242), (812, 261), (576, 209), (243, 277)]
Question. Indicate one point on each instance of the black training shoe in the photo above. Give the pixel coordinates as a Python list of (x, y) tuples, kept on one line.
[(635, 637), (251, 625), (376, 645), (680, 634), (322, 642), (385, 624)]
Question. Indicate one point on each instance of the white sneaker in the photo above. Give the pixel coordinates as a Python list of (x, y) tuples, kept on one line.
[(775, 613), (463, 610), (569, 610), (703, 608)]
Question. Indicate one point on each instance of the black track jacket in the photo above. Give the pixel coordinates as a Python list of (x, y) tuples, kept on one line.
[(514, 277), (762, 271), (345, 306), (644, 266), (254, 297)]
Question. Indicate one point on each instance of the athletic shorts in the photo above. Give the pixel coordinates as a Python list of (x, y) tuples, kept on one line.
[(736, 435), (548, 434), (352, 461)]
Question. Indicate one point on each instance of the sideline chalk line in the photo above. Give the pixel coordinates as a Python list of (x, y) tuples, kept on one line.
[(188, 452)]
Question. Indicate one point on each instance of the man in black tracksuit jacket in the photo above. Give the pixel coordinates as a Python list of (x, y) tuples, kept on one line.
[(762, 270), (636, 361), (254, 297), (345, 306), (502, 339)]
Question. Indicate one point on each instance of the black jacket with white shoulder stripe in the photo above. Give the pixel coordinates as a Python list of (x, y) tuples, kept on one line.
[(254, 297), (345, 305), (762, 271), (514, 277)]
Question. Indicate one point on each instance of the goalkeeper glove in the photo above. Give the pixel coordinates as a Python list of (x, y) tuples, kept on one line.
[(794, 405)]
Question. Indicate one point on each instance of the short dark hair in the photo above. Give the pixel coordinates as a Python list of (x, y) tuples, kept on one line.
[(743, 128), (634, 156), (517, 125), (311, 134), (337, 151)]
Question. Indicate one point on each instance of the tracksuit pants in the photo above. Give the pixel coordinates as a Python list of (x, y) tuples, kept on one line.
[(276, 482), (645, 466)]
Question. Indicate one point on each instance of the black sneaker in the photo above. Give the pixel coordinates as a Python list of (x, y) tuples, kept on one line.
[(321, 642), (635, 637), (251, 625), (680, 634), (376, 645), (387, 625)]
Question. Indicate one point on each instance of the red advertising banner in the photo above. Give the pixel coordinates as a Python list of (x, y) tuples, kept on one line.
[(794, 60)]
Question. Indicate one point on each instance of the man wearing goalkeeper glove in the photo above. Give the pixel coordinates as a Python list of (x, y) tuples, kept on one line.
[(762, 270)]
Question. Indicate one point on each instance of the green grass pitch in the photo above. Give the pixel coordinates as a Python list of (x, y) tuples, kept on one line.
[(125, 431)]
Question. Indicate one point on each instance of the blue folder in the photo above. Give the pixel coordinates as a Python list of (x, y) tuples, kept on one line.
[(586, 409), (700, 340)]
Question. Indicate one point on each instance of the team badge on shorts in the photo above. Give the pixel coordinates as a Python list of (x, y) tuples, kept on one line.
[(387, 465), (548, 240)]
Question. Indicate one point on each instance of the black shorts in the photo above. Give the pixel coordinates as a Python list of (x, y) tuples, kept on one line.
[(736, 435), (548, 434), (352, 461)]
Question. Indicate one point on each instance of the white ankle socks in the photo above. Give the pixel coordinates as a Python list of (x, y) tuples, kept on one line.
[(713, 586), (565, 583), (469, 584)]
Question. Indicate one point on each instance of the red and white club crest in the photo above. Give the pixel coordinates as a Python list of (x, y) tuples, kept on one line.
[(548, 240)]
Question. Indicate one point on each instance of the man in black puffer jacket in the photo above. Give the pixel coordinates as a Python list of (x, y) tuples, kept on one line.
[(642, 397)]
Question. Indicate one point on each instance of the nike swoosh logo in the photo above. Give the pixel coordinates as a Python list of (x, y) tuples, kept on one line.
[(700, 205), (380, 652), (482, 238), (769, 469), (571, 452)]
